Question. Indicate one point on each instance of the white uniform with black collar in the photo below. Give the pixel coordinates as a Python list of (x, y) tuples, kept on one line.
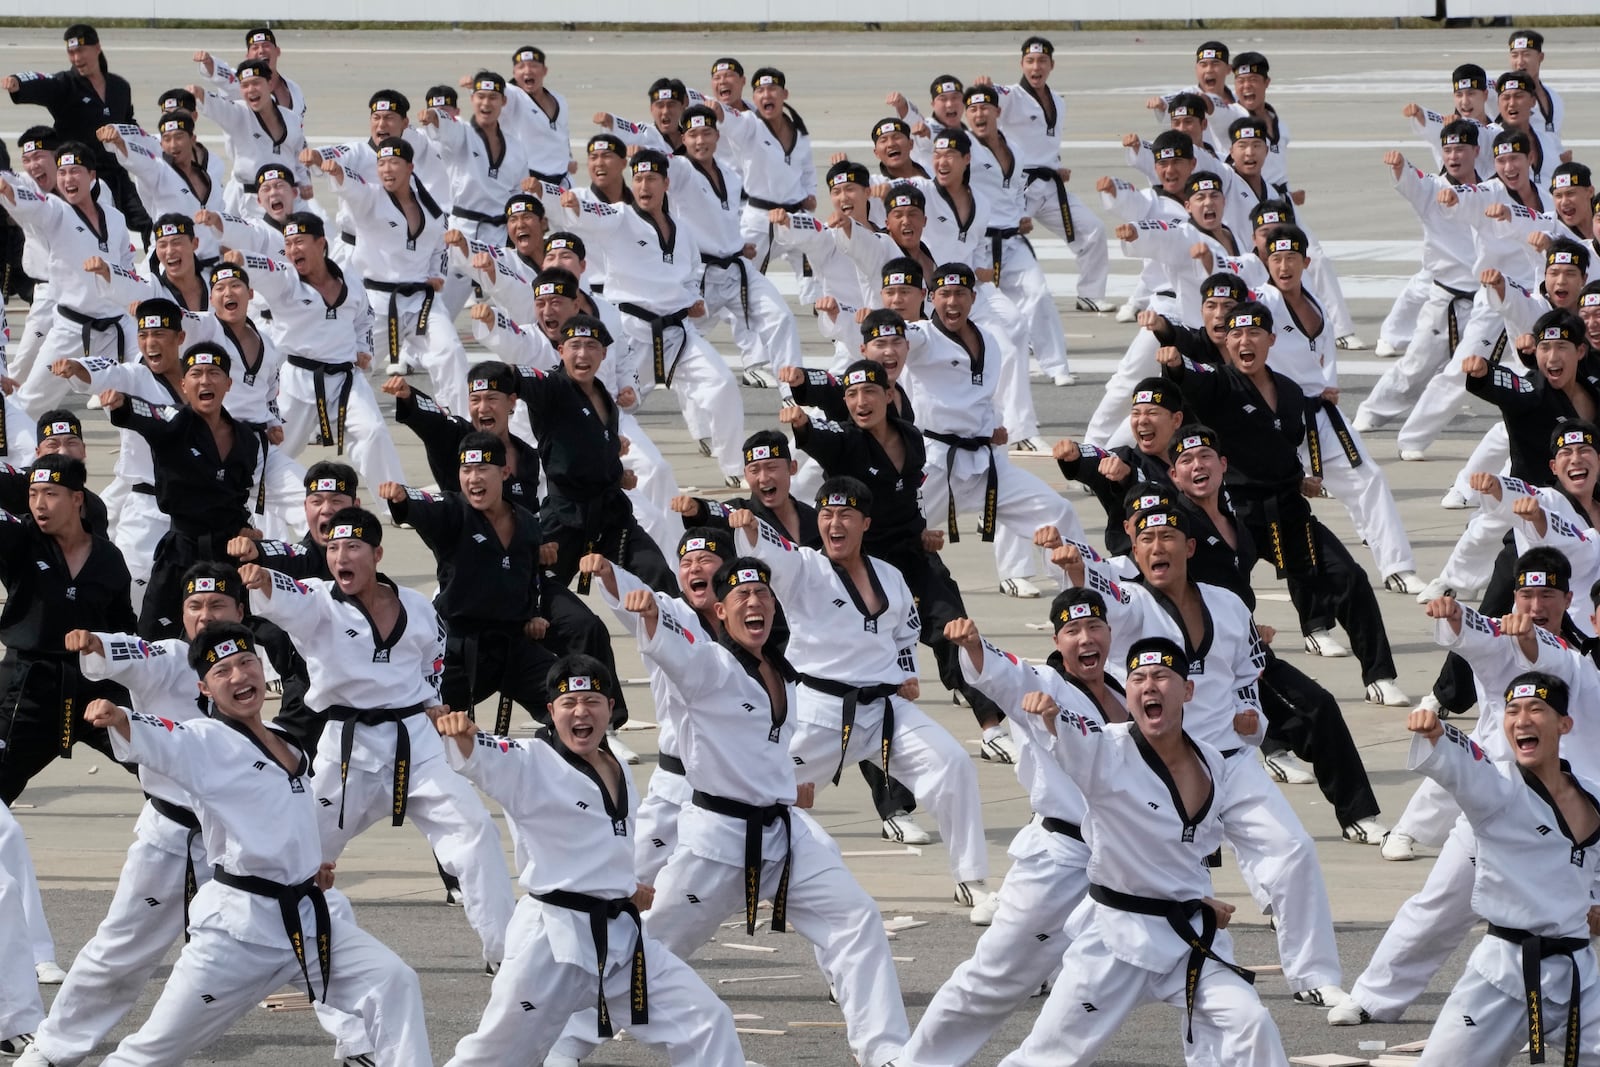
[(1047, 881), (362, 157), (1276, 856), (352, 666), (162, 188), (545, 137), (1036, 137), (480, 181), (651, 276), (953, 394), (773, 177), (1142, 843), (823, 604), (251, 146), (1312, 362), (580, 841), (226, 79), (736, 746), (838, 276), (258, 819)]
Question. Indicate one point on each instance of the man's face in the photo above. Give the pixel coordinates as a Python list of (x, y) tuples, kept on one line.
[(179, 144), (1535, 730), (266, 50), (1461, 163), (276, 197), (487, 105), (949, 166), (85, 59), (1155, 697), (904, 300), (1545, 606), (394, 174), (1515, 107), (41, 167), (382, 124), (1197, 472), (160, 348), (1205, 208), (207, 609), (552, 312), (230, 299), (482, 484), (605, 167), (237, 685), (841, 529), (354, 564), (904, 226), (769, 100), (700, 143), (1575, 467), (1191, 126), (581, 719), (581, 356), (204, 386), (76, 183), (1572, 203), (526, 231), (890, 352), (849, 199), (769, 480), (1248, 156), (1214, 314), (63, 444), (868, 404), (695, 571), (1285, 269), (982, 118), (1251, 90), (256, 91), (893, 149), (1153, 427), (529, 74), (1591, 324), (1162, 554), (55, 508), (1562, 281), (747, 613), (666, 114), (946, 109), (1248, 348), (1173, 174), (320, 510), (566, 259), (649, 188), (176, 254), (728, 86), (1036, 68), (953, 304), (490, 411), (1528, 60), (1211, 74), (1084, 645), (1557, 361), (1470, 102)]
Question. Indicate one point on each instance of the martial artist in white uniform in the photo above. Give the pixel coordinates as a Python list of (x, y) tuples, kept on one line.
[(579, 926), (70, 227), (486, 160), (256, 130), (378, 754), (854, 697), (741, 839), (269, 916), (1276, 856), (536, 116), (1047, 881), (163, 186), (1533, 976), (1155, 811)]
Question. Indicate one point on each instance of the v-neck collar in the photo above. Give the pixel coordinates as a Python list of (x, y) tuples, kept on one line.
[(250, 369), (99, 227), (975, 358), (276, 141), (1159, 767), (855, 593), (962, 226), (302, 768), (202, 157), (752, 667), (1167, 605), (379, 644), (1047, 104), (615, 806), (505, 144), (1532, 782), (714, 177), (668, 239), (1288, 306)]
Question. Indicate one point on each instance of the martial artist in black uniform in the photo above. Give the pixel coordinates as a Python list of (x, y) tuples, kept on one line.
[(59, 433)]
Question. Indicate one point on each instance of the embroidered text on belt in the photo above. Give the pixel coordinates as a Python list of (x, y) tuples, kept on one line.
[(854, 695), (1341, 431), (471, 636), (329, 432), (756, 820), (53, 672), (91, 326), (289, 898), (191, 822), (396, 290), (658, 340), (998, 236), (600, 913), (991, 485), (1051, 174), (733, 262), (1178, 913), (1535, 950), (353, 717), (1457, 297)]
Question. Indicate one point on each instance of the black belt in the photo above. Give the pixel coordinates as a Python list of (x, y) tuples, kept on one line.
[(329, 432), (998, 236), (854, 695), (289, 898), (251, 187), (396, 290), (62, 696), (1535, 950), (1062, 827), (1457, 296), (1499, 348), (600, 913), (767, 205), (91, 326), (471, 638), (144, 489), (477, 216), (658, 342), (671, 764), (1178, 913), (991, 488), (353, 717), (735, 261), (549, 179), (756, 820), (1341, 431), (1051, 174), (191, 822), (348, 238)]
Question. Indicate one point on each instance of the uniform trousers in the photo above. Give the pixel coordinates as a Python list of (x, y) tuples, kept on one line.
[(1401, 326), (766, 334), (42, 698), (1322, 279), (41, 390), (1365, 494), (1013, 397), (366, 435), (536, 993), (26, 344), (1088, 242), (1481, 1025), (656, 823), (137, 529), (1427, 351), (1016, 955), (756, 229), (444, 807), (1442, 399), (219, 978), (701, 383), (17, 861), (1305, 717), (435, 347), (20, 1005), (1024, 281)]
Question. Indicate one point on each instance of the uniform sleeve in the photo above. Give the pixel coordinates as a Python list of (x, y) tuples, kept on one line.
[(1127, 201), (507, 771), (907, 629), (514, 344), (593, 218), (793, 567), (1506, 390), (1456, 762), (1080, 748), (695, 669), (1519, 308), (38, 88), (35, 211), (1417, 190), (274, 279), (359, 198), (827, 442), (1201, 385), (805, 232), (154, 424), (1488, 651), (1125, 605), (436, 518), (638, 133), (151, 672), (294, 560), (171, 748), (1004, 679), (1250, 657), (297, 607)]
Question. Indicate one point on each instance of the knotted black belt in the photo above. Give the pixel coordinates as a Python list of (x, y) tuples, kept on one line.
[(767, 205), (998, 236), (396, 290), (289, 898), (756, 820), (471, 643), (353, 717), (855, 695), (191, 822), (1178, 913), (733, 262), (326, 428), (91, 326), (1535, 950), (658, 341), (1457, 296), (991, 487), (1051, 174), (1347, 441), (600, 913)]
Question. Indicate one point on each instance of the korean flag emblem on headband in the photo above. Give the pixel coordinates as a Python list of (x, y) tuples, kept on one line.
[(838, 500), (223, 649), (1144, 396), (578, 683), (60, 427), (1158, 519), (343, 530), (896, 277), (1561, 181), (1560, 258), (69, 159), (1519, 692), (1078, 611), (480, 385), (1571, 437), (1534, 578), (325, 485), (1589, 300), (1554, 333), (748, 574), (699, 122), (1149, 502), (1192, 442), (472, 455), (759, 452), (696, 544), (856, 377), (1153, 659), (45, 475), (203, 585), (152, 322)]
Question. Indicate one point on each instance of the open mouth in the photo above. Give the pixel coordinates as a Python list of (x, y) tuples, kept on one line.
[(834, 540), (1159, 568), (1145, 436), (1152, 709), (768, 494), (230, 304), (245, 694), (699, 585), (477, 493), (344, 576), (485, 422), (756, 623), (1089, 660), (1526, 743), (1200, 479), (205, 394), (893, 154), (583, 730)]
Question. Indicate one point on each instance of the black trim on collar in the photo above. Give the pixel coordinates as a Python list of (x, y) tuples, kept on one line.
[(399, 622), (616, 807), (1157, 765)]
